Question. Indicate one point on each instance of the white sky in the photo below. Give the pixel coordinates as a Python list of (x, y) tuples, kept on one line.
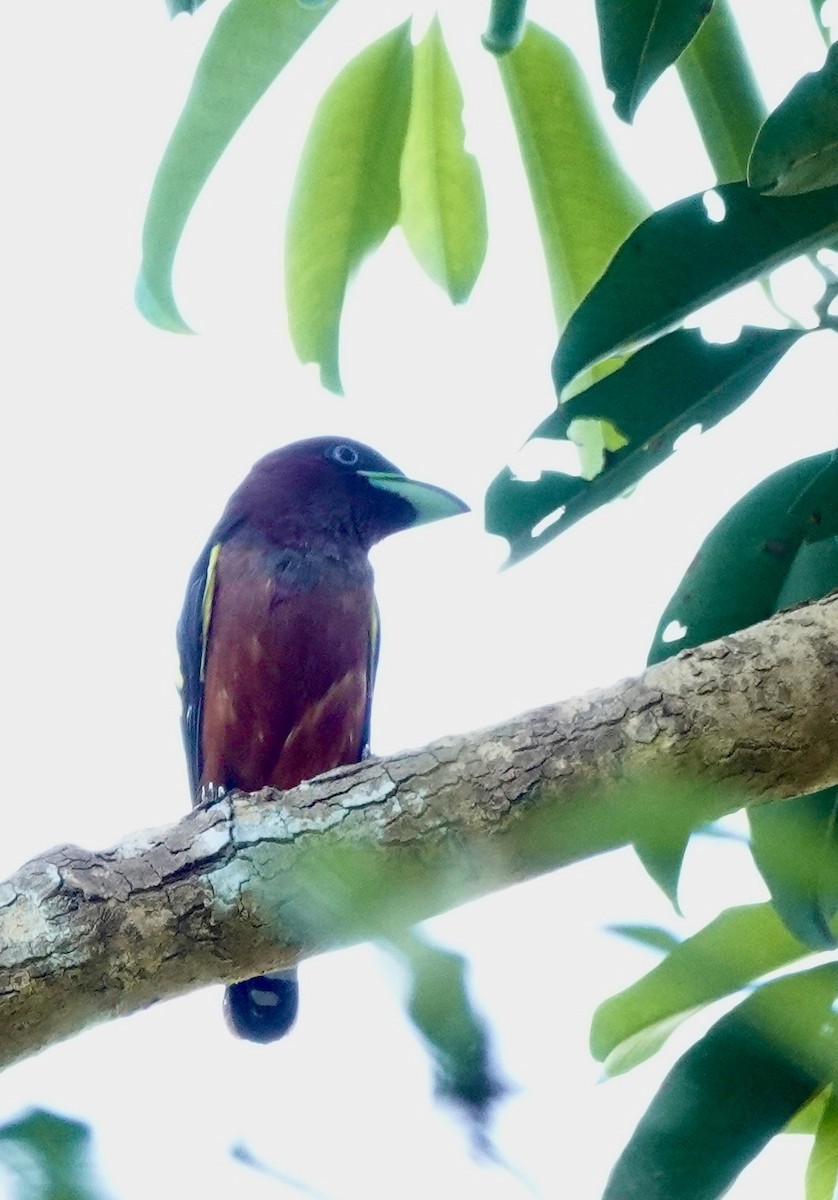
[(122, 445)]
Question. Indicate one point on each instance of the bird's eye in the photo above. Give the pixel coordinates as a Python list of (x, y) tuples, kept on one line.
[(345, 455)]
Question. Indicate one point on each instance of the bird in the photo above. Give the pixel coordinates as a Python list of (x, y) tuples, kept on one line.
[(278, 641)]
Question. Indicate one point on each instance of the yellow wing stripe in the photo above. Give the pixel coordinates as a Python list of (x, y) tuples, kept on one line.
[(206, 603)]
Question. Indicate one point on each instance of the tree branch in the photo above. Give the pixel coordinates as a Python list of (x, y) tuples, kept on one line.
[(256, 882)]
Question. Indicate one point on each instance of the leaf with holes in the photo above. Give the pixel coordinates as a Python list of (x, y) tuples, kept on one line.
[(733, 1091), (742, 571), (346, 196), (797, 147), (250, 45), (679, 259), (639, 41), (663, 390), (740, 945), (443, 209)]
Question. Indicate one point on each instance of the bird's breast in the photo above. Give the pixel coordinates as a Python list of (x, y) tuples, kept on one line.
[(287, 668)]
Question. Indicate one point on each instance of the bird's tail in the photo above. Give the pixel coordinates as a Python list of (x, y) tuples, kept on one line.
[(262, 1009)]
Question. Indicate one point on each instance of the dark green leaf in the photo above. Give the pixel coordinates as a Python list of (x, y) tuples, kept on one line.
[(584, 202), (250, 45), (346, 197), (653, 936), (807, 1119), (732, 1092), (737, 947), (506, 25), (663, 390), (443, 209), (797, 148), (640, 40), (795, 846), (49, 1158), (679, 259), (723, 93), (440, 1007), (822, 1169), (816, 508), (739, 573)]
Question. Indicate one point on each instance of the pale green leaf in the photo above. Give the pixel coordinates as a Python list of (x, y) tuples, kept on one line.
[(250, 45), (346, 196), (585, 203), (822, 1168), (443, 210)]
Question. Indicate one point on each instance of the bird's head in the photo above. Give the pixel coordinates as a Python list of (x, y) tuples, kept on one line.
[(340, 487)]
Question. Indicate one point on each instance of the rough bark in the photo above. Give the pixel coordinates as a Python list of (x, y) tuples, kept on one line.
[(256, 882)]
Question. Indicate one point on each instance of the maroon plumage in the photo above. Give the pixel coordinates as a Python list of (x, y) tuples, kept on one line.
[(278, 639)]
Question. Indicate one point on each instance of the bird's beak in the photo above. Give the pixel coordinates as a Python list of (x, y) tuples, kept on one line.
[(430, 503)]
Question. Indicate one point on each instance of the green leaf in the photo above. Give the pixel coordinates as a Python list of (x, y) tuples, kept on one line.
[(443, 209), (822, 1168), (722, 93), (506, 26), (679, 259), (584, 202), (740, 572), (346, 197), (250, 45), (737, 947), (797, 148), (663, 390), (48, 1158), (795, 846), (440, 1008), (639, 41), (732, 1092)]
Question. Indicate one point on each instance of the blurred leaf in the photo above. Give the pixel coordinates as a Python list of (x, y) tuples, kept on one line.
[(440, 1008), (822, 1169), (663, 390), (740, 945), (797, 148), (795, 847), (506, 25), (639, 41), (679, 259), (49, 1158), (807, 1119), (443, 209), (739, 573), (722, 92), (250, 45), (346, 195), (584, 202), (732, 1092), (653, 936), (176, 7)]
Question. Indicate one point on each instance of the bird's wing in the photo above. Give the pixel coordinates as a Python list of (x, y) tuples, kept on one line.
[(192, 636), (372, 667)]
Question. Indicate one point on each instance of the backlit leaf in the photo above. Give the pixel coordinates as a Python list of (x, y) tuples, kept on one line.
[(740, 945), (346, 196), (585, 203), (443, 209), (251, 43)]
